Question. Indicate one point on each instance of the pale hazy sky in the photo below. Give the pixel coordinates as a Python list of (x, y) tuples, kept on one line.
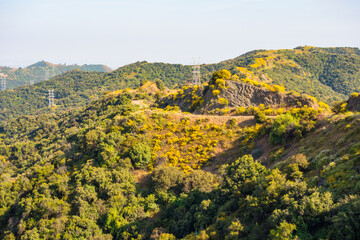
[(119, 32)]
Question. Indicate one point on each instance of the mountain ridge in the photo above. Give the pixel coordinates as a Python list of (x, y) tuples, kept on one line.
[(328, 74)]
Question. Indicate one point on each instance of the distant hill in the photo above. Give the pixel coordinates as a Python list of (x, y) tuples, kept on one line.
[(41, 71), (329, 74), (78, 88)]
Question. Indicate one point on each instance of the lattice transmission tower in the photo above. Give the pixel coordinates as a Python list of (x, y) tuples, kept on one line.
[(196, 74), (51, 97), (3, 83), (53, 72)]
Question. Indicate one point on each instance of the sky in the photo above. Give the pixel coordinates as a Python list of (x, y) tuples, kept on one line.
[(120, 32)]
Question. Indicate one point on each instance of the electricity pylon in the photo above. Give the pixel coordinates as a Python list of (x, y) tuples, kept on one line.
[(51, 97), (196, 74)]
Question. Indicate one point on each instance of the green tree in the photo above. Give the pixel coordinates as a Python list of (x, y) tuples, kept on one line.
[(140, 155), (241, 175), (283, 231), (165, 178), (201, 180)]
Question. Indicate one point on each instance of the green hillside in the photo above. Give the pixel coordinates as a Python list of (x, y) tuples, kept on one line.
[(42, 71), (120, 168), (77, 88), (329, 74)]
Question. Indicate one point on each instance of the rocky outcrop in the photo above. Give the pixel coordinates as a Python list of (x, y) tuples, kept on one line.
[(187, 100), (236, 94), (353, 104), (245, 95)]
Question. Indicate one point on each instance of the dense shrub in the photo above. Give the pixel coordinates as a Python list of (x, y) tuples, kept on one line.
[(346, 223), (284, 127), (140, 155), (260, 117), (215, 92), (165, 178), (237, 174), (300, 160), (339, 107), (201, 180), (220, 74)]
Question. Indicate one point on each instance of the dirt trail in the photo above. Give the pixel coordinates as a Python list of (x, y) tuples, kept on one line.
[(141, 103), (244, 120), (247, 120)]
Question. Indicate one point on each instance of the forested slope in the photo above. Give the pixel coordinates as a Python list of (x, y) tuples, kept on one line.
[(328, 74), (77, 88), (118, 169)]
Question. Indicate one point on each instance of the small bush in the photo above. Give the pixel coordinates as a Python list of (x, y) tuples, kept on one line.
[(354, 95), (221, 74), (300, 160), (240, 110), (220, 83), (224, 111), (216, 92), (223, 101), (260, 117), (231, 122), (279, 88)]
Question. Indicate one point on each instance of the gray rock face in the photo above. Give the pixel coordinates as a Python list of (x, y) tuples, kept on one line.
[(246, 95), (238, 94), (184, 101)]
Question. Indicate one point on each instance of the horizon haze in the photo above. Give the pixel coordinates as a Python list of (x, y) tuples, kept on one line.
[(116, 33)]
